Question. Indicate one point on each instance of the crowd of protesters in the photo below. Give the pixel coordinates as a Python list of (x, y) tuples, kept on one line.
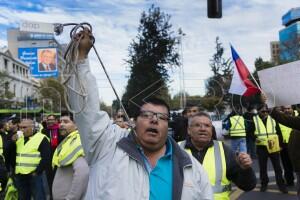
[(35, 155), (92, 156)]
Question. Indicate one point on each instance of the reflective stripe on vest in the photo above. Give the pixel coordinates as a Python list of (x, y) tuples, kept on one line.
[(237, 128), (286, 132), (214, 164), (68, 150), (263, 132), (28, 157)]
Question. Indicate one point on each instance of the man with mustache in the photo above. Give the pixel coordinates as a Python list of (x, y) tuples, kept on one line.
[(71, 177), (141, 165), (220, 162)]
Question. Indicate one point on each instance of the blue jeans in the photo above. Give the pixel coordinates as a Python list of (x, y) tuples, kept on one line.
[(239, 145), (30, 186)]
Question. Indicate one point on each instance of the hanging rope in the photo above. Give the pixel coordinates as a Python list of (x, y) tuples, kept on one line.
[(71, 67)]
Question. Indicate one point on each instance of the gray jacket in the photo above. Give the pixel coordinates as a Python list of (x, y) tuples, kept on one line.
[(117, 170), (70, 182)]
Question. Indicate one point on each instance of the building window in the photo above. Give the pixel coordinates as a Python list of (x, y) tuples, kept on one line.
[(14, 68), (17, 69), (14, 89), (5, 64), (6, 87)]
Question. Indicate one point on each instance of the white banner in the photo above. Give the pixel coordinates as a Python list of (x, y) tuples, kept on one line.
[(37, 27), (281, 84)]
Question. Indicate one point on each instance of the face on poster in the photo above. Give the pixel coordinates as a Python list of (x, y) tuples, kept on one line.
[(42, 61), (47, 60)]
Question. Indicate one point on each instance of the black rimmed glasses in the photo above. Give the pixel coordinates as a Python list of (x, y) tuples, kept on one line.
[(146, 114)]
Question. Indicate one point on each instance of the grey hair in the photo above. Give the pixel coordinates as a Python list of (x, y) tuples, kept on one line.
[(199, 114)]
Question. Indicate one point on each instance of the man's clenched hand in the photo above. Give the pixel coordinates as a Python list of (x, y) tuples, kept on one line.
[(86, 43)]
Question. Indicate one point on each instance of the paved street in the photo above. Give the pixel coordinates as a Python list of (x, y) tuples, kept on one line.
[(271, 194)]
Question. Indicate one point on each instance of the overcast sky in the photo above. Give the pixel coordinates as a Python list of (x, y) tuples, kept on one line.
[(248, 25)]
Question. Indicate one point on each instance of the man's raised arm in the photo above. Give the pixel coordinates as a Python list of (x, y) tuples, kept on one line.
[(96, 132)]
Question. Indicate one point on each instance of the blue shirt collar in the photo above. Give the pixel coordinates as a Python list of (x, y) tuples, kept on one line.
[(168, 154), (169, 149)]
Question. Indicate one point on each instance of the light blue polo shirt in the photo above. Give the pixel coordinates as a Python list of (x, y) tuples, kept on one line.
[(160, 177)]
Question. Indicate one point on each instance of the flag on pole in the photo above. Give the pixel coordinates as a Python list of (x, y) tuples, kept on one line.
[(240, 84)]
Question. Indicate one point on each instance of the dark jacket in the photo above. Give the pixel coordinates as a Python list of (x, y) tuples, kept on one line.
[(6, 151), (179, 127), (52, 132), (4, 165), (52, 67), (245, 179), (248, 116), (294, 141)]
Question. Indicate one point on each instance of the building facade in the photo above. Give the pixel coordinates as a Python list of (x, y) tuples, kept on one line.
[(275, 51), (289, 36), (18, 80)]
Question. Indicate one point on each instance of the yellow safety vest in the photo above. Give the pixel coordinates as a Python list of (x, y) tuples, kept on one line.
[(266, 135), (11, 192), (28, 156), (286, 132), (68, 150), (214, 164), (237, 128)]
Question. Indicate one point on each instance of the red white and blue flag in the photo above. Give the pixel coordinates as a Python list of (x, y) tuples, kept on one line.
[(240, 84)]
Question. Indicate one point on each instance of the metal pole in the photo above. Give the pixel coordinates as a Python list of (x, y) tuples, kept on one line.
[(182, 70), (182, 81)]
